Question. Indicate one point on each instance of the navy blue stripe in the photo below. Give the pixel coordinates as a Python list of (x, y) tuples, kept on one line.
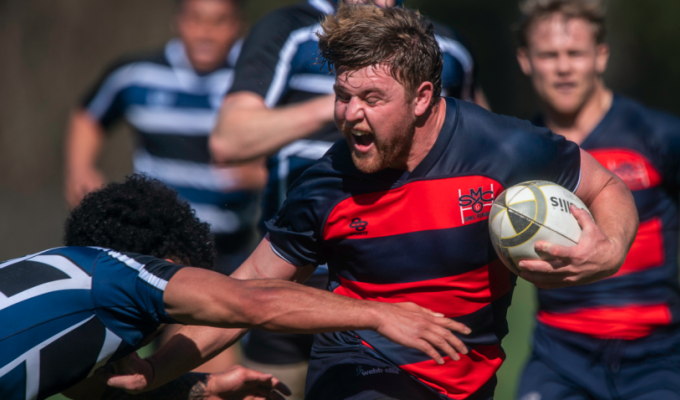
[(13, 384), (652, 286), (438, 253), (178, 147), (35, 332), (231, 201), (142, 96), (83, 257)]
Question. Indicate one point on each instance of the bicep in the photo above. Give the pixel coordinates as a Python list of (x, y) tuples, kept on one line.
[(264, 263), (594, 178)]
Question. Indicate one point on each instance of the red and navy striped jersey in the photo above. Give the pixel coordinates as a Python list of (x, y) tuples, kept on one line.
[(423, 236), (66, 312), (642, 147)]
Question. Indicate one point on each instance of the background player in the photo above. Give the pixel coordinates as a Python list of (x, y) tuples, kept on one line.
[(281, 106), (88, 306), (617, 338), (372, 209), (170, 98)]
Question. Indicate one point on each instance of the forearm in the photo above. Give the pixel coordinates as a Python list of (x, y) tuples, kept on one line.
[(280, 306), (189, 348), (191, 386), (247, 129), (614, 211), (84, 140)]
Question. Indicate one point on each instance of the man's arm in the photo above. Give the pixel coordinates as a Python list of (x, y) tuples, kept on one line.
[(84, 140), (604, 242), (246, 129)]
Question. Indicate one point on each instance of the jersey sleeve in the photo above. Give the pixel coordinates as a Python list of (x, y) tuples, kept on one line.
[(263, 63), (669, 148), (103, 101), (296, 231), (128, 292), (540, 154)]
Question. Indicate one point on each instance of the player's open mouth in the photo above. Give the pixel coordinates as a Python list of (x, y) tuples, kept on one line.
[(565, 86), (362, 140)]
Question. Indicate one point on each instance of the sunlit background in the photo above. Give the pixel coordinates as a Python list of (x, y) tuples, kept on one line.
[(51, 51)]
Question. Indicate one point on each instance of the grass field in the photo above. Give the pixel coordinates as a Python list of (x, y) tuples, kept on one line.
[(516, 344)]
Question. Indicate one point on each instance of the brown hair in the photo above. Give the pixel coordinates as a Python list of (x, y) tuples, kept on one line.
[(533, 11), (359, 36)]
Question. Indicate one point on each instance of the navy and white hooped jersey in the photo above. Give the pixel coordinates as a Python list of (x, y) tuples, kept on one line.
[(67, 311), (395, 236), (640, 303), (279, 62), (173, 109)]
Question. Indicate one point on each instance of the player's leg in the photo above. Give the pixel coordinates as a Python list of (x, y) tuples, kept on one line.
[(540, 382)]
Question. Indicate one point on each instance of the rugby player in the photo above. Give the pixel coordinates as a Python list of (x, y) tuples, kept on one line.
[(381, 209), (281, 106), (67, 311), (170, 97), (618, 338)]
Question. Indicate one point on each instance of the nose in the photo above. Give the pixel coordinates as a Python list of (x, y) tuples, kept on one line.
[(563, 64), (355, 111)]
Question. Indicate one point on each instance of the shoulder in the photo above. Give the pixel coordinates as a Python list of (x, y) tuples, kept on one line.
[(289, 19), (155, 57), (504, 136)]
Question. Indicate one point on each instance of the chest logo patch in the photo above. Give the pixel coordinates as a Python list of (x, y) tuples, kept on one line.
[(478, 201)]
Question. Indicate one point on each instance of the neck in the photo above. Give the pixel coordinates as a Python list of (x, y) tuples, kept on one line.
[(426, 134), (577, 126)]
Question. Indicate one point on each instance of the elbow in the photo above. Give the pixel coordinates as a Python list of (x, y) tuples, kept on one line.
[(226, 149)]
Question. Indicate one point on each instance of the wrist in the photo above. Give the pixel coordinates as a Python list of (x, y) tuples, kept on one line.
[(374, 315)]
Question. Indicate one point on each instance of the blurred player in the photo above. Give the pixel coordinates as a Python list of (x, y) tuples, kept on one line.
[(171, 98), (67, 311), (618, 338), (281, 106)]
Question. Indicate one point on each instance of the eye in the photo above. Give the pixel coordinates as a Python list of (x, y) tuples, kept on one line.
[(371, 101), (342, 97)]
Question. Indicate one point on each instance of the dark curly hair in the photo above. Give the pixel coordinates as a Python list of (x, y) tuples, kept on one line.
[(141, 215)]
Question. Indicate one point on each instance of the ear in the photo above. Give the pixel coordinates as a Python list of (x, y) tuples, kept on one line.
[(602, 58), (423, 97), (523, 60)]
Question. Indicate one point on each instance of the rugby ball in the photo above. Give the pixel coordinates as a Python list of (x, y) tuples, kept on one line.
[(530, 212)]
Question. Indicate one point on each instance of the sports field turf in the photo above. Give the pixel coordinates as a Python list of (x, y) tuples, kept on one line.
[(516, 344)]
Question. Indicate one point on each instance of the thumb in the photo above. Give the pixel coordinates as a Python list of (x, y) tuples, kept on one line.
[(127, 382)]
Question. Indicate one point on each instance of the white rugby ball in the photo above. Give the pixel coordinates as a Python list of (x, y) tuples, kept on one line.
[(530, 212)]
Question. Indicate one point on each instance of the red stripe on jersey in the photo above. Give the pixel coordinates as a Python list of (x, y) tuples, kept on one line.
[(632, 167), (452, 296), (629, 322), (410, 208), (647, 250), (459, 379)]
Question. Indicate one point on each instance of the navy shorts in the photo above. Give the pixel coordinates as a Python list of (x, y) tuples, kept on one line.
[(574, 376), (360, 373)]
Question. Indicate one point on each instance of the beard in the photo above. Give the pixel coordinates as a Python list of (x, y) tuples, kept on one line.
[(386, 151)]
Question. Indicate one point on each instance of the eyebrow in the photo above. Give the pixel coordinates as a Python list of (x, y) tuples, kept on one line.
[(338, 88)]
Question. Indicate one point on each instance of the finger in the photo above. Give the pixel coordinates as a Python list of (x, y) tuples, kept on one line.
[(426, 348), (427, 310), (554, 250), (440, 343), (453, 325), (126, 382), (455, 342), (583, 217), (546, 278), (281, 387)]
